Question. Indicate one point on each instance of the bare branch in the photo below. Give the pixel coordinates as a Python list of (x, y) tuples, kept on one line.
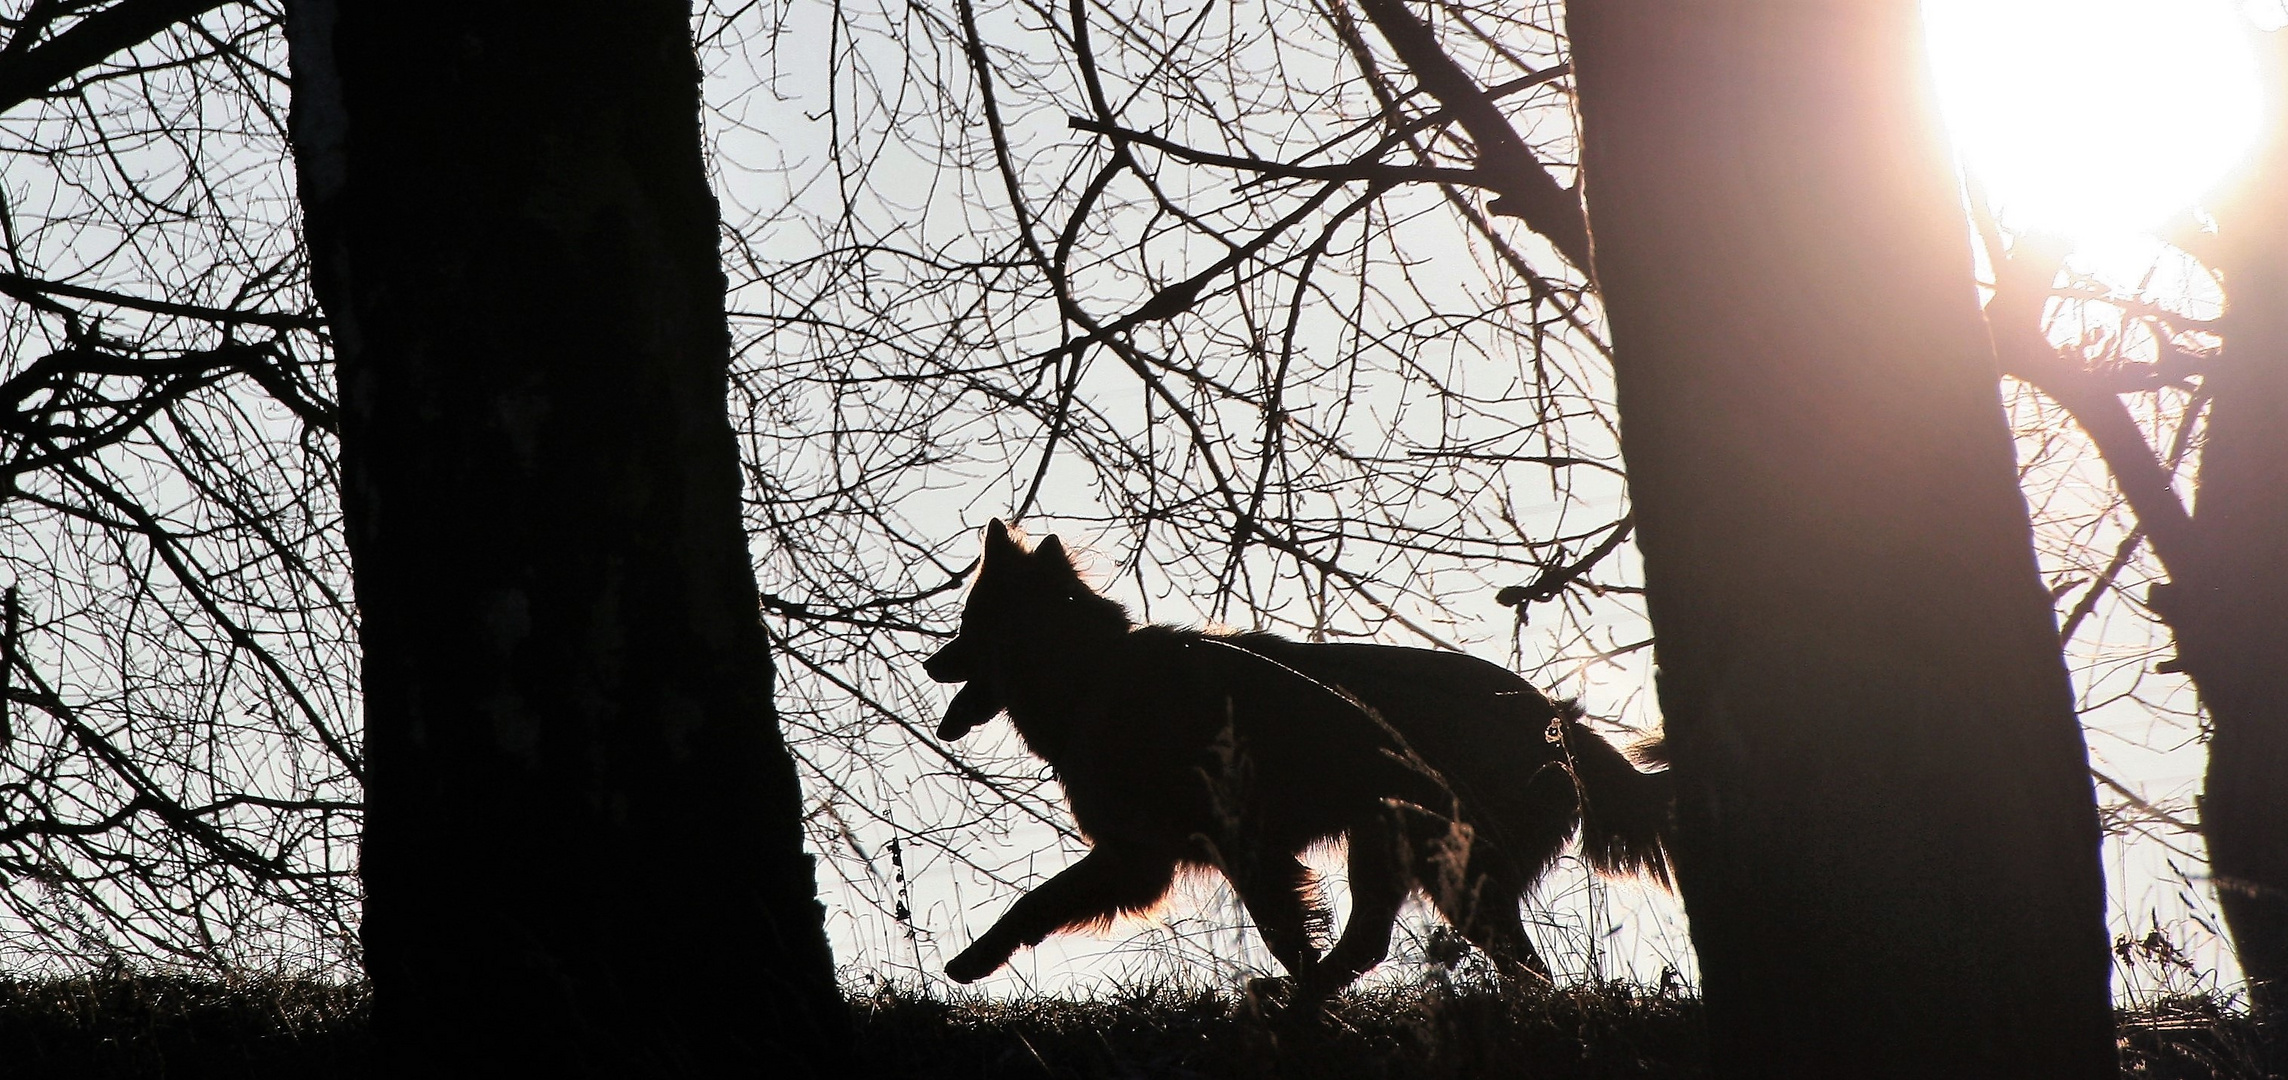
[(1529, 193), (88, 42)]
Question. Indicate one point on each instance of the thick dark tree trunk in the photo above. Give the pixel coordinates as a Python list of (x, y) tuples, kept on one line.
[(582, 853), (2228, 603), (2229, 611), (1888, 841)]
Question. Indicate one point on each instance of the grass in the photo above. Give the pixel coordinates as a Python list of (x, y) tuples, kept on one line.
[(174, 1026), (1432, 1031), (2191, 1036), (119, 1024)]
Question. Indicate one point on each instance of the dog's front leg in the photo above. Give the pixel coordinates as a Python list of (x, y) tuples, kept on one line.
[(1107, 882), (1379, 883), (1279, 895)]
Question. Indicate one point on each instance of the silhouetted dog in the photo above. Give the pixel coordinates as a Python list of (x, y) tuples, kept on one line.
[(1238, 751)]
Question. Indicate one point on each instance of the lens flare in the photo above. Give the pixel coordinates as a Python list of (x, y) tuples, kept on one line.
[(2095, 119)]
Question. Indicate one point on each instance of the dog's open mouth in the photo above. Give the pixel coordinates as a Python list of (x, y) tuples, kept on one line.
[(969, 708)]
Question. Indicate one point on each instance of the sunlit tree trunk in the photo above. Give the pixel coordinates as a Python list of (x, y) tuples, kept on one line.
[(1888, 840), (583, 853), (2228, 600)]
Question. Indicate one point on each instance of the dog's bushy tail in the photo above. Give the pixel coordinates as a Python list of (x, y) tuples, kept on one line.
[(1625, 813)]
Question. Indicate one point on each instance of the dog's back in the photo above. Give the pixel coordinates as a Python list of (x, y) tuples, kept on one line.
[(1489, 733), (1202, 737)]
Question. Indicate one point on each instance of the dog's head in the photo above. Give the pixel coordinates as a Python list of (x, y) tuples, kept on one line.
[(1015, 591)]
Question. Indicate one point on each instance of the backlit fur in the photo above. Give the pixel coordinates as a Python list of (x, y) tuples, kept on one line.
[(1185, 748)]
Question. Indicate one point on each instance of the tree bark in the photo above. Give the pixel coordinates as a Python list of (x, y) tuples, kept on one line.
[(2228, 601), (583, 852), (1888, 842)]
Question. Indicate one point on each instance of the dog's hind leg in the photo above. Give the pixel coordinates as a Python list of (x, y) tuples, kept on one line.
[(1379, 882), (1485, 912), (1106, 883)]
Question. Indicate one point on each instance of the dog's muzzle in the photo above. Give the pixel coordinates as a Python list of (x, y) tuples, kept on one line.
[(949, 664)]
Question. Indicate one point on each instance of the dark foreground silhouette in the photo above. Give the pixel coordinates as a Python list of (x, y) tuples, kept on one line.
[(143, 1026), (1236, 752)]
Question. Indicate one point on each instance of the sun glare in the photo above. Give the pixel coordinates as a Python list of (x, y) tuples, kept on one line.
[(2094, 119)]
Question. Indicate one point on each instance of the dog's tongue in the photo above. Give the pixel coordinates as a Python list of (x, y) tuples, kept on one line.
[(969, 708)]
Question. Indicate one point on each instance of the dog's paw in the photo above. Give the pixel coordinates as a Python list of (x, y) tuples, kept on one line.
[(1271, 990), (973, 964), (1286, 1000)]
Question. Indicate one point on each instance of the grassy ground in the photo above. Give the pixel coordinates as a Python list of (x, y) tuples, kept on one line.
[(178, 1027), (181, 1027), (1431, 1032)]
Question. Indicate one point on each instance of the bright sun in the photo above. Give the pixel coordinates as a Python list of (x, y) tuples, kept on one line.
[(2094, 119)]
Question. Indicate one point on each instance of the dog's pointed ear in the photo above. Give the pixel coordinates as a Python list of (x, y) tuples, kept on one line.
[(998, 542), (1052, 550)]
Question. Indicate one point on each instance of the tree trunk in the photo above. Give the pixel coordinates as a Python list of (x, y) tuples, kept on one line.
[(1888, 843), (583, 852), (2228, 604)]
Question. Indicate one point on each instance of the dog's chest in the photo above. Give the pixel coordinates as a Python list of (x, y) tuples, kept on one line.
[(1133, 763)]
